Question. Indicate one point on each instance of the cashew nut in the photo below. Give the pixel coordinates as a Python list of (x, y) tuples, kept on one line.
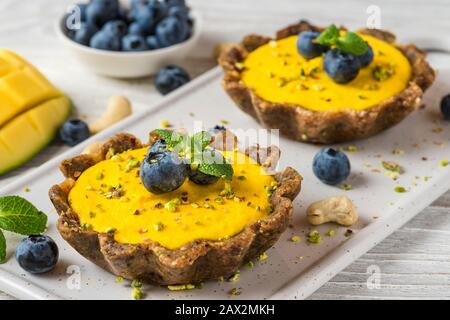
[(339, 209), (118, 108), (93, 148)]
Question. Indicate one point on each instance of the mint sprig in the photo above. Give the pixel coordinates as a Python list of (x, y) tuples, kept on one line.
[(19, 216), (350, 42), (195, 149), (2, 247)]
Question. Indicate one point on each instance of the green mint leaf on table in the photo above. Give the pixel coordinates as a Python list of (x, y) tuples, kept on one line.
[(329, 36), (20, 216), (217, 169), (2, 247), (352, 43)]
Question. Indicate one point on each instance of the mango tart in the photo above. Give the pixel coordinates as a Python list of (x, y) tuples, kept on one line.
[(189, 235), (270, 81)]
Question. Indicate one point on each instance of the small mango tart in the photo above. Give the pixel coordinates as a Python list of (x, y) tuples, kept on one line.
[(268, 79), (192, 234)]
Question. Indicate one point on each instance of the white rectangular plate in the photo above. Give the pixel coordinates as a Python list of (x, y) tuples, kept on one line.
[(293, 270)]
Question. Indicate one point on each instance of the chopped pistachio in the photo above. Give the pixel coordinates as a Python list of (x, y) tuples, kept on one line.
[(133, 163), (219, 200), (295, 239), (239, 66), (110, 230), (362, 97), (400, 189), (226, 189), (235, 277), (425, 178), (304, 136), (352, 148), (250, 264), (263, 256), (331, 233), (398, 152), (270, 74), (136, 293), (314, 237), (444, 163), (241, 178), (317, 87), (99, 176), (116, 158), (281, 82), (391, 166), (110, 153), (86, 226), (235, 292), (165, 124), (346, 187), (383, 72), (223, 121), (158, 226), (173, 205), (92, 214), (208, 205), (181, 287), (119, 279), (136, 284), (26, 189)]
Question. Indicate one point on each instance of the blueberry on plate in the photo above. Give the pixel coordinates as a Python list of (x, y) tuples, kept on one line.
[(340, 66), (37, 254), (163, 172), (98, 12), (105, 41), (85, 33), (133, 42), (209, 156), (135, 28), (152, 43), (331, 166), (366, 58), (74, 131), (116, 27), (170, 78), (445, 107), (171, 30), (306, 46)]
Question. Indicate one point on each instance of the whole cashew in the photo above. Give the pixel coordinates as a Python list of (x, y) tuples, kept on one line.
[(339, 209), (118, 108)]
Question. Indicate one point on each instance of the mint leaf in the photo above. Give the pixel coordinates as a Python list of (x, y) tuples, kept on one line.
[(20, 216), (329, 36), (352, 43), (201, 140), (217, 169), (2, 247), (172, 138)]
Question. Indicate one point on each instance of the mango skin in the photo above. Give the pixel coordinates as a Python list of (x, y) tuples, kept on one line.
[(32, 110)]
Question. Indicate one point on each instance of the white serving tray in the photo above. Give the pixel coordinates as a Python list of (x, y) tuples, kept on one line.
[(293, 270)]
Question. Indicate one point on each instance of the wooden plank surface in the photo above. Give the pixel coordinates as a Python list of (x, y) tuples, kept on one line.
[(414, 262)]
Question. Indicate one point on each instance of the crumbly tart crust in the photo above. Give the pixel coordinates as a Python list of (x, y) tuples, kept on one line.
[(194, 262), (324, 127)]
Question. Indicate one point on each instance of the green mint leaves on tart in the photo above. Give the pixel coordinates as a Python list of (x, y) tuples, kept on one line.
[(19, 216), (195, 149), (350, 42)]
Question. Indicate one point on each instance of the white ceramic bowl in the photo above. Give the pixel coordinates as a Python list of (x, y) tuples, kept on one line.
[(131, 64)]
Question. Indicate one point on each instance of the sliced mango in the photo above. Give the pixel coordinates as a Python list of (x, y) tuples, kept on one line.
[(31, 110)]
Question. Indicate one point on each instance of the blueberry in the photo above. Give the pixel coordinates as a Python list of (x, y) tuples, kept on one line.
[(152, 43), (175, 3), (98, 12), (133, 42), (116, 27), (366, 58), (445, 107), (85, 33), (179, 12), (135, 28), (157, 146), (82, 8), (306, 47), (37, 254), (331, 166), (170, 78), (171, 30), (74, 131), (216, 129), (105, 41), (340, 66), (163, 172), (149, 16), (68, 27)]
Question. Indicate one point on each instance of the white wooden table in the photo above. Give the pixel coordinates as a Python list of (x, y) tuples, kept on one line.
[(414, 261)]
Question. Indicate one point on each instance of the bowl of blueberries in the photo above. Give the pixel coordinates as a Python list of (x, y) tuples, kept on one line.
[(129, 39)]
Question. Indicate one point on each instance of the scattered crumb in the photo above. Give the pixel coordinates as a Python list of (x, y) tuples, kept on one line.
[(400, 189), (295, 239), (331, 233), (165, 124), (398, 152), (348, 233), (263, 256), (235, 292), (346, 187), (26, 189), (443, 163), (224, 121), (314, 237)]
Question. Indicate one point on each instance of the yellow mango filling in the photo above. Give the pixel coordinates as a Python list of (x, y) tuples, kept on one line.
[(278, 73), (110, 197)]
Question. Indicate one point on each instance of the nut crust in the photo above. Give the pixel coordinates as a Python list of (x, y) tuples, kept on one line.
[(325, 127), (194, 262)]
